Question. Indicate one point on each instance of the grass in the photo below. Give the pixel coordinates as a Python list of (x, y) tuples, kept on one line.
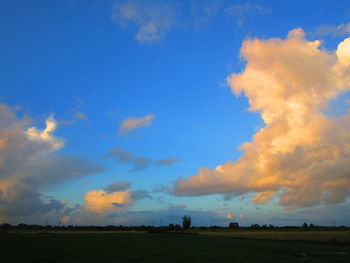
[(143, 247), (321, 236)]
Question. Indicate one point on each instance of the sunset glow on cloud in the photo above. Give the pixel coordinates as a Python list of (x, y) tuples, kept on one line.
[(301, 156), (101, 201)]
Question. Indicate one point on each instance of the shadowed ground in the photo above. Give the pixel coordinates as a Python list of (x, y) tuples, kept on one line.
[(142, 247)]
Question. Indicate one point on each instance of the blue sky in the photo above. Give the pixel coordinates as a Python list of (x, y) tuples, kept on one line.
[(93, 65)]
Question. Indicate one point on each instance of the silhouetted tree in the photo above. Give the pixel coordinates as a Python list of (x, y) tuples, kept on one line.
[(233, 225), (171, 227), (305, 226), (255, 226), (186, 222), (177, 227)]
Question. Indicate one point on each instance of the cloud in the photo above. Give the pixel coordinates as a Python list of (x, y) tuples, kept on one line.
[(77, 110), (140, 194), (116, 196), (243, 12), (102, 201), (167, 161), (133, 123), (121, 155), (204, 12), (138, 163), (301, 157), (118, 186), (22, 200), (153, 19), (338, 30), (29, 163), (229, 216), (80, 116), (65, 219), (335, 214), (45, 136)]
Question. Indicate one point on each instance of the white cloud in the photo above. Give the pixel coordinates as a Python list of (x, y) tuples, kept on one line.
[(301, 156), (45, 136)]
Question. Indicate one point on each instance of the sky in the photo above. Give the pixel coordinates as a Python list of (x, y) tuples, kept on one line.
[(137, 112)]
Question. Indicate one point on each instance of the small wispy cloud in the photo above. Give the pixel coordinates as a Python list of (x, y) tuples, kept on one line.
[(138, 163), (80, 116), (332, 30), (121, 155), (79, 104), (203, 12), (153, 19), (133, 123), (118, 186), (243, 12), (167, 161)]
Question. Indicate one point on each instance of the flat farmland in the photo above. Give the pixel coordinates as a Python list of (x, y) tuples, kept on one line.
[(321, 236), (142, 247)]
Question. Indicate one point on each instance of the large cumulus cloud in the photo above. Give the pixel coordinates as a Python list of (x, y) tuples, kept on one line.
[(29, 163), (301, 156)]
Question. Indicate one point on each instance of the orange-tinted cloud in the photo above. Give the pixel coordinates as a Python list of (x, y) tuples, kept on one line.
[(103, 201), (229, 216), (301, 156), (65, 219), (116, 196)]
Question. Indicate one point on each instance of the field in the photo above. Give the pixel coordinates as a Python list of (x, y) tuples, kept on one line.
[(200, 247), (322, 236)]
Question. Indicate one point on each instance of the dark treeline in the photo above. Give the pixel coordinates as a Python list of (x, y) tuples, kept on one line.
[(170, 228)]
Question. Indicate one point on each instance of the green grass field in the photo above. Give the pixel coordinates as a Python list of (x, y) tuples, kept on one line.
[(143, 247)]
